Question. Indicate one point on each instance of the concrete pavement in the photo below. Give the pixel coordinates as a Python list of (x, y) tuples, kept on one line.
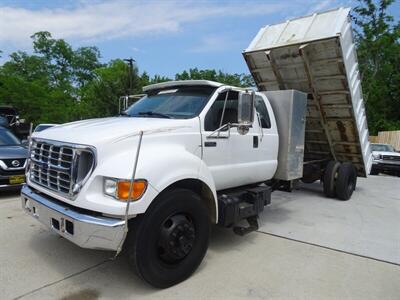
[(368, 224), (38, 264)]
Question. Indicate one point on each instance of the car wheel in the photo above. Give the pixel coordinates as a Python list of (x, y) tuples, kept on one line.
[(329, 178), (346, 181), (167, 243)]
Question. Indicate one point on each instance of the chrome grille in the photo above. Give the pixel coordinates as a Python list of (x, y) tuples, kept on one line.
[(391, 157), (60, 167)]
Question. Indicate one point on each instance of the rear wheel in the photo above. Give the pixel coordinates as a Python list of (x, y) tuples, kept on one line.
[(346, 181), (167, 243), (330, 177)]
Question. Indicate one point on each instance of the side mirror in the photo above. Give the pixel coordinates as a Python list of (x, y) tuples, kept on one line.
[(245, 111)]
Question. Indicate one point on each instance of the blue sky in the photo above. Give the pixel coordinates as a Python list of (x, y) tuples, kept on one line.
[(165, 37)]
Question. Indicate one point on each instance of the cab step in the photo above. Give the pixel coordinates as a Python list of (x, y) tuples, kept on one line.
[(241, 204)]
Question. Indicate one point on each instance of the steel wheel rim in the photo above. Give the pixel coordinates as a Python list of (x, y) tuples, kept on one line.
[(176, 239)]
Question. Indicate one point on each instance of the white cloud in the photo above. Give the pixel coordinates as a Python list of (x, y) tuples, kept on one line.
[(322, 5), (114, 19), (213, 43)]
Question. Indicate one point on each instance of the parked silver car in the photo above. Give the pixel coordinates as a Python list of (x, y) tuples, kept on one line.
[(13, 158), (385, 160)]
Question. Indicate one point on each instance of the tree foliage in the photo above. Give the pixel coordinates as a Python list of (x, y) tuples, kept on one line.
[(57, 83), (378, 48)]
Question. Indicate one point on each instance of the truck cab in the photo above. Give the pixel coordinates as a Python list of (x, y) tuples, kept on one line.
[(185, 156)]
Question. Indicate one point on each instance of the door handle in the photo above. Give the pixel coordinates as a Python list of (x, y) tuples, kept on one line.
[(210, 144), (255, 141)]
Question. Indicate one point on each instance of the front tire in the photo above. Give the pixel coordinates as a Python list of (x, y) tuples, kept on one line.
[(167, 243)]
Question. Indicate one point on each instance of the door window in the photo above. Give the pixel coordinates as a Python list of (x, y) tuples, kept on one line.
[(263, 111), (213, 118)]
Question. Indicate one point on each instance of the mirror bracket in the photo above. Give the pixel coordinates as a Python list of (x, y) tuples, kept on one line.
[(218, 131)]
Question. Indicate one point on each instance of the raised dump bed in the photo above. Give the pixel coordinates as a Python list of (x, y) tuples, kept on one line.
[(316, 54)]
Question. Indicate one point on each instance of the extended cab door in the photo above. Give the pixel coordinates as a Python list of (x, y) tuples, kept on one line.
[(232, 158), (269, 142)]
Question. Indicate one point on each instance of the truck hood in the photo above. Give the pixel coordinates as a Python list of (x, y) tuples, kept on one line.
[(106, 130)]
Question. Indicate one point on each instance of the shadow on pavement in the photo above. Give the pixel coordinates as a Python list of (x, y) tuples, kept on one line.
[(76, 263), (10, 193)]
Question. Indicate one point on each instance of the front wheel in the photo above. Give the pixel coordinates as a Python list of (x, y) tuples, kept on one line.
[(167, 243)]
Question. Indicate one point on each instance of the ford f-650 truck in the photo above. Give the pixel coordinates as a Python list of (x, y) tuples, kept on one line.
[(190, 154)]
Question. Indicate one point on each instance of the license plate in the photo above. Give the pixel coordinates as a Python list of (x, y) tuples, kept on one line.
[(16, 179)]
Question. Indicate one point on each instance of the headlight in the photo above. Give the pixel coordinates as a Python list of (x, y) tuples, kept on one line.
[(376, 156), (119, 188), (110, 186)]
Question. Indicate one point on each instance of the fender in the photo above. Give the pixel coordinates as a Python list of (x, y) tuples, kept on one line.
[(161, 169), (164, 168)]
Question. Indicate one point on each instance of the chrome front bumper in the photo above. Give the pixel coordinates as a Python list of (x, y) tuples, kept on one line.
[(86, 231)]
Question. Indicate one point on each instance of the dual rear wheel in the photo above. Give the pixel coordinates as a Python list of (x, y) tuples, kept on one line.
[(339, 180)]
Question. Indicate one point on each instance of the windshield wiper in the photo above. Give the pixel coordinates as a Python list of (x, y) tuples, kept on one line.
[(153, 113)]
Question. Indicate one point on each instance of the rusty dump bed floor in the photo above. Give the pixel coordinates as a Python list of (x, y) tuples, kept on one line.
[(327, 70)]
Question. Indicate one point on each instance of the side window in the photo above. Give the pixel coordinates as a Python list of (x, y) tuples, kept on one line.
[(263, 111), (213, 118)]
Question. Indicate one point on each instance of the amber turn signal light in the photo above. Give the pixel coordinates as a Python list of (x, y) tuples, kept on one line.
[(137, 191)]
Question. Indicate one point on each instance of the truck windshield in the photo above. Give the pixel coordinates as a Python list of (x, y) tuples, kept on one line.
[(382, 148), (172, 103)]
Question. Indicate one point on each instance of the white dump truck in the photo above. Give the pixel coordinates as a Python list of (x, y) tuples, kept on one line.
[(190, 154)]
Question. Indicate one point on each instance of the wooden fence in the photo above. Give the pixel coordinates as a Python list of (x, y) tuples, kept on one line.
[(387, 137)]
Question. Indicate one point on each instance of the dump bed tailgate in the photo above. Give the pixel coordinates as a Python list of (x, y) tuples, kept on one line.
[(316, 54)]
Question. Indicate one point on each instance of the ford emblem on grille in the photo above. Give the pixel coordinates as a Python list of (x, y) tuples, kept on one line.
[(15, 163)]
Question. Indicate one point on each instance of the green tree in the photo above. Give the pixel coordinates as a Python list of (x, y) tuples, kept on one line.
[(46, 86), (377, 37), (100, 96), (58, 83)]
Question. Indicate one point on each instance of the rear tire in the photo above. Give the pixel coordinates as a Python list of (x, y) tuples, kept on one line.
[(330, 177), (167, 243), (346, 181)]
